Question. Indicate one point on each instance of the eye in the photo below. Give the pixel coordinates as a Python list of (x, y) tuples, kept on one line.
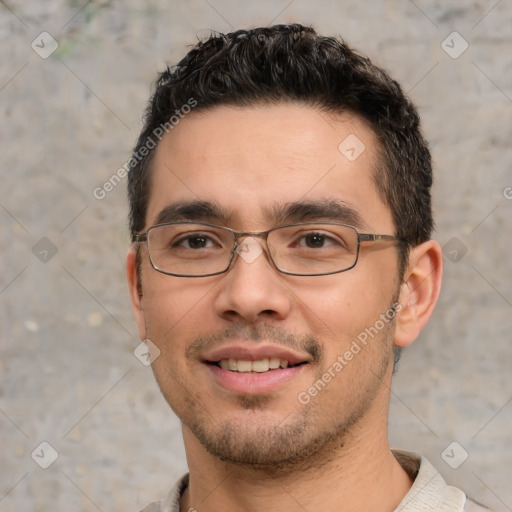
[(316, 240), (195, 241)]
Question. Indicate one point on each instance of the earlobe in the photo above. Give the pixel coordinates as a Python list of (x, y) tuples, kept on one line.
[(135, 290), (419, 291)]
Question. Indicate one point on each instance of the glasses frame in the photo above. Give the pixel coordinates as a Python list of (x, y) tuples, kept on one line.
[(361, 237)]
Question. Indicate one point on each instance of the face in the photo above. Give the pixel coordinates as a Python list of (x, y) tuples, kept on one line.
[(252, 169)]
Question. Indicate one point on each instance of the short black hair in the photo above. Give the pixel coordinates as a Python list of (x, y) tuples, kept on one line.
[(292, 63)]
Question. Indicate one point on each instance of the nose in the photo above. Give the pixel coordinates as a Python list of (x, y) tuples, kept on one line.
[(252, 289)]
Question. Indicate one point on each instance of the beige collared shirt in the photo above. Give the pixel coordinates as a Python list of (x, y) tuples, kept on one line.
[(429, 492)]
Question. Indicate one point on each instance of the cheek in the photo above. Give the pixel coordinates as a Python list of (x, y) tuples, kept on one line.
[(173, 311), (340, 306), (176, 311), (174, 308)]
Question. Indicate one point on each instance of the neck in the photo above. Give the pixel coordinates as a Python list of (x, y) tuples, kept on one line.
[(356, 473)]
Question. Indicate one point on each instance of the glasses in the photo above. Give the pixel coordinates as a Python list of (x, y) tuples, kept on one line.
[(192, 249)]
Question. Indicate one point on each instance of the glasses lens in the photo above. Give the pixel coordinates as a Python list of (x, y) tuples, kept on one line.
[(313, 249), (190, 249)]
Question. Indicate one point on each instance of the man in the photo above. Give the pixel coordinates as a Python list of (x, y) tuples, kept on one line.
[(281, 257)]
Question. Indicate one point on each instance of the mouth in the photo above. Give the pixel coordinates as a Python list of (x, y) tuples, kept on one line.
[(246, 368), (264, 365), (255, 376)]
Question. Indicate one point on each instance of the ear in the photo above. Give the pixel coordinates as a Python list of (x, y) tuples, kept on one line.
[(135, 289), (419, 291)]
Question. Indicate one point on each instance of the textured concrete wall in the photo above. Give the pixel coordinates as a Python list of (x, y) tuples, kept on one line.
[(68, 374)]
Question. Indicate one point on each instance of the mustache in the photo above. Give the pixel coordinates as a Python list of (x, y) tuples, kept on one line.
[(257, 333)]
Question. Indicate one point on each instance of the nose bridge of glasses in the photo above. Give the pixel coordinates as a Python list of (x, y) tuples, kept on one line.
[(245, 235), (249, 245), (255, 234)]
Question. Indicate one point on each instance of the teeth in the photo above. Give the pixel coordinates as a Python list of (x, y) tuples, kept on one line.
[(244, 366), (274, 363), (259, 366)]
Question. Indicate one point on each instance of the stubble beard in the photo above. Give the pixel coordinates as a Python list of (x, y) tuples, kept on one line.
[(295, 442)]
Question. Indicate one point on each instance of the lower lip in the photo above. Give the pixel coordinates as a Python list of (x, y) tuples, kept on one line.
[(254, 383)]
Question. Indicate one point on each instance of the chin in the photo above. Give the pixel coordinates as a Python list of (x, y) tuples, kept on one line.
[(270, 444)]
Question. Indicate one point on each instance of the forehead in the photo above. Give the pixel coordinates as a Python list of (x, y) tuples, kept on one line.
[(251, 161)]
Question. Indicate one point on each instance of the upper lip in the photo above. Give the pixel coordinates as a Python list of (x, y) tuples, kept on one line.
[(249, 352)]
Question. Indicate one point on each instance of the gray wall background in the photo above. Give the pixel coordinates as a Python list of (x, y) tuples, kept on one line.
[(68, 373)]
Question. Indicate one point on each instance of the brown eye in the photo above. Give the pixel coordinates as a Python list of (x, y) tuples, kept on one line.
[(315, 240), (194, 241), (197, 242)]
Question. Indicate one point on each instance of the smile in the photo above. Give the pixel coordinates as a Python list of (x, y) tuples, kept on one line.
[(258, 366), (244, 367)]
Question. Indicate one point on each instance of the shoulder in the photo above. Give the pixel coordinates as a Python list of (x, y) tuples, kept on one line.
[(171, 503), (429, 490), (474, 506), (153, 507)]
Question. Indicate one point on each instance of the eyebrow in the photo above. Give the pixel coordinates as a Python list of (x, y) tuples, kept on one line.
[(277, 214), (194, 211), (306, 211)]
